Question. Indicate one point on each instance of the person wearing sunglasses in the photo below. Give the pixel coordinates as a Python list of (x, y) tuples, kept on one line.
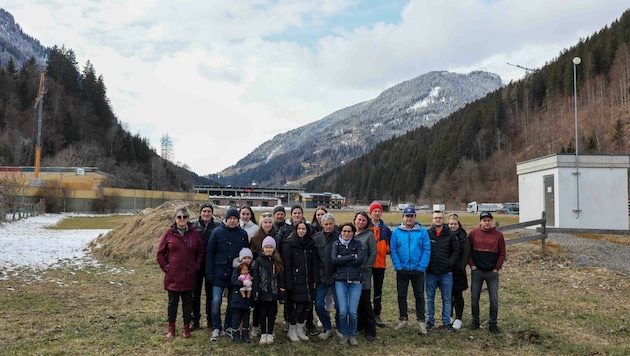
[(180, 254)]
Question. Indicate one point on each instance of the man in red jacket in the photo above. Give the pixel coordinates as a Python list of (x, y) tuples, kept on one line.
[(488, 254)]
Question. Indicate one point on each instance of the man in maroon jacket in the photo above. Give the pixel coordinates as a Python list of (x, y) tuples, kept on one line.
[(488, 255)]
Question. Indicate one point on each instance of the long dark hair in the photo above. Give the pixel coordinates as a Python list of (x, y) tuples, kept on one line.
[(253, 218)]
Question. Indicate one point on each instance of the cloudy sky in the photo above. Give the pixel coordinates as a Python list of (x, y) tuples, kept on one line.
[(222, 77)]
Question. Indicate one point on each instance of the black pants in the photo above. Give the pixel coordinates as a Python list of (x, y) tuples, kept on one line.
[(197, 297), (365, 314), (267, 312), (378, 275), (458, 303), (173, 302), (300, 312), (238, 315)]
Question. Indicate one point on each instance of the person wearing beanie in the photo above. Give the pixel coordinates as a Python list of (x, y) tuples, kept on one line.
[(487, 256), (256, 244), (180, 254), (204, 225), (267, 271), (279, 215), (225, 244), (241, 299), (382, 235), (375, 205)]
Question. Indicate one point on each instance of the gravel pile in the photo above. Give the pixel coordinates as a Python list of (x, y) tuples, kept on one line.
[(594, 253)]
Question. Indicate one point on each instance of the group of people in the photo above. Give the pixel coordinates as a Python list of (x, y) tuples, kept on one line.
[(322, 268)]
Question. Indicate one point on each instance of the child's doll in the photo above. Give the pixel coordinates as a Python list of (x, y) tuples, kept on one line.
[(246, 278)]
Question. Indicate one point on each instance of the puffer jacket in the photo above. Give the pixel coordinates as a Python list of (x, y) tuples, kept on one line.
[(410, 248), (444, 251), (205, 230), (323, 243), (265, 275), (369, 245), (301, 268), (180, 257), (348, 260), (237, 300), (224, 245)]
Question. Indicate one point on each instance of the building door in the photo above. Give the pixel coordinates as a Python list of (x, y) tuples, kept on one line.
[(550, 206)]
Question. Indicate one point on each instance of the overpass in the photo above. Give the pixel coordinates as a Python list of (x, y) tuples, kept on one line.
[(284, 194)]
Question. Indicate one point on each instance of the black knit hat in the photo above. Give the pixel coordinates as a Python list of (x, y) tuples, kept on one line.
[(279, 208), (206, 205)]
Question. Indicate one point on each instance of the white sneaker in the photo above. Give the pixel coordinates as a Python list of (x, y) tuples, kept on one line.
[(326, 334), (457, 324), (270, 338), (263, 339), (401, 324), (423, 327), (215, 335)]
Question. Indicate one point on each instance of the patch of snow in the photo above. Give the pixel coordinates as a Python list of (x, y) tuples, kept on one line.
[(430, 99), (28, 248)]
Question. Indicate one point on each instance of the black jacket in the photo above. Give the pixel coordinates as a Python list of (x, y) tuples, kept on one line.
[(324, 242), (301, 268), (348, 260), (460, 280), (444, 251), (265, 287)]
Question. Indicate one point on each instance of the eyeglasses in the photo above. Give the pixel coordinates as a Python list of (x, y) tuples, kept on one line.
[(181, 217), (265, 215)]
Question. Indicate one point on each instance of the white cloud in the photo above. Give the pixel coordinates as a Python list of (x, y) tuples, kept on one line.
[(218, 77)]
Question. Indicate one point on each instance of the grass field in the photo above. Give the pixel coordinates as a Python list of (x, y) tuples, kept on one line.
[(547, 306)]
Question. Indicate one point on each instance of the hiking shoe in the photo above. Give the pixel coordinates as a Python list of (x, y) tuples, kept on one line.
[(474, 325), (370, 338), (401, 324), (494, 329), (457, 324), (343, 340), (353, 341), (379, 321), (312, 330), (448, 327), (215, 335), (429, 326), (423, 327), (326, 334)]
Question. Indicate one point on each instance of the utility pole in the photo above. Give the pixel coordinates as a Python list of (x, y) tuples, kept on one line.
[(39, 100)]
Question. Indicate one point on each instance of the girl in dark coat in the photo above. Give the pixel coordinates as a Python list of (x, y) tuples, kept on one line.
[(180, 255), (267, 270), (460, 280), (241, 302), (299, 257)]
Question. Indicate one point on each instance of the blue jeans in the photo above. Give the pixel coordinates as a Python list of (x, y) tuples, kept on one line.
[(416, 278), (348, 295), (492, 281), (320, 305), (445, 283), (217, 297)]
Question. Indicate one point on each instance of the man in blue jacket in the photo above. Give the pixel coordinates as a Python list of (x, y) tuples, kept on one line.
[(410, 252)]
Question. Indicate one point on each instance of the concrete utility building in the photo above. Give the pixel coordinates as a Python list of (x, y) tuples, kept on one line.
[(587, 193)]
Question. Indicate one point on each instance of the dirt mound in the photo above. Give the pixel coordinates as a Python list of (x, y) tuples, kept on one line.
[(137, 239)]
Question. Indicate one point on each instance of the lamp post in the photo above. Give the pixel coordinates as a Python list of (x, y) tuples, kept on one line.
[(576, 61)]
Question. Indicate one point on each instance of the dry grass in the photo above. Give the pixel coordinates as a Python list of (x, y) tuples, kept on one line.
[(547, 306)]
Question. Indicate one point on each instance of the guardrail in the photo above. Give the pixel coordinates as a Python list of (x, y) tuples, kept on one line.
[(542, 236)]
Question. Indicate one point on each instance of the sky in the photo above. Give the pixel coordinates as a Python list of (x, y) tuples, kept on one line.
[(222, 77)]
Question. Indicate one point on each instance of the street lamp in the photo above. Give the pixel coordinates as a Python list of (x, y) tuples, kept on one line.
[(576, 61)]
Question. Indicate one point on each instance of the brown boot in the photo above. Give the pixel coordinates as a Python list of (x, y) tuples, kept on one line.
[(171, 329), (186, 332)]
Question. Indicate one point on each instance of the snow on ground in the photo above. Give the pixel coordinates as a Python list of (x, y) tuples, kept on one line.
[(29, 248)]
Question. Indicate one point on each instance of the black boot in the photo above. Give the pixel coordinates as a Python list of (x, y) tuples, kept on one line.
[(245, 337), (236, 336)]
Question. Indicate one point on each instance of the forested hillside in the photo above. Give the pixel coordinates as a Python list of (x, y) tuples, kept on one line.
[(472, 154), (79, 127)]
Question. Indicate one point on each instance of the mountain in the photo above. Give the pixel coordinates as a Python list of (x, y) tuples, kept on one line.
[(471, 155), (311, 150), (17, 45)]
